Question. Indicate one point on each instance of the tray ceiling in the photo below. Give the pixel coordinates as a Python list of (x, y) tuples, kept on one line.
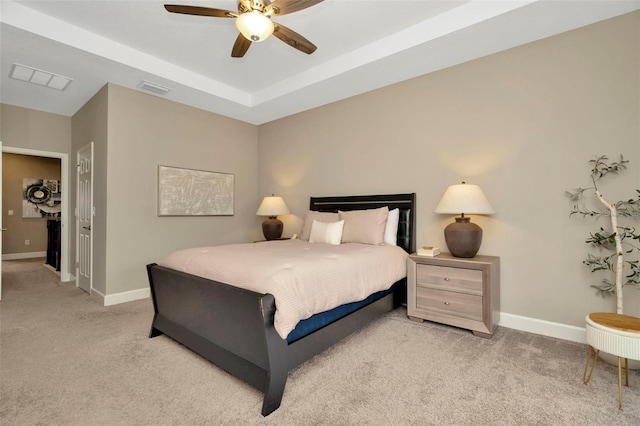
[(362, 46)]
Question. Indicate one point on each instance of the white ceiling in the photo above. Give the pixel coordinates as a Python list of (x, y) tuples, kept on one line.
[(362, 45)]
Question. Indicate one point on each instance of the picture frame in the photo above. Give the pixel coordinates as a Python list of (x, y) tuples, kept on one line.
[(41, 198), (190, 192)]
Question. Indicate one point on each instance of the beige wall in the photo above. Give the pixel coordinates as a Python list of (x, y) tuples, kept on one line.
[(29, 129), (522, 124), (15, 168), (146, 131)]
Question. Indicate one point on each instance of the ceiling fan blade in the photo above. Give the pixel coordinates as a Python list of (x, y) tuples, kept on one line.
[(293, 39), (201, 11), (282, 7), (240, 47)]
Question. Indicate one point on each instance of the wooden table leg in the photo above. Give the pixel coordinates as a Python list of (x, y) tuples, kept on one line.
[(626, 370), (620, 383), (586, 379)]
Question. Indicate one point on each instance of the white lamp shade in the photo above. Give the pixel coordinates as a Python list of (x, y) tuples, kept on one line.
[(464, 198), (272, 206), (254, 26)]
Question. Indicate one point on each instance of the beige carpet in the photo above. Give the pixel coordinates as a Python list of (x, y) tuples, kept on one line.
[(64, 360)]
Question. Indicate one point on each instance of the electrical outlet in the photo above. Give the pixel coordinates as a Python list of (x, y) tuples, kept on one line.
[(27, 242), (10, 212)]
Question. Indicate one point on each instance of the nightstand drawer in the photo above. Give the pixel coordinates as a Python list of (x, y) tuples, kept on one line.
[(448, 302), (448, 278)]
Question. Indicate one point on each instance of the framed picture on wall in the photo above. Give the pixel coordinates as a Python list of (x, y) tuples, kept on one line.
[(41, 198), (188, 192)]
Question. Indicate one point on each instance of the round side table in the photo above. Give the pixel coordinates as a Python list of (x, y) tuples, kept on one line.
[(614, 334)]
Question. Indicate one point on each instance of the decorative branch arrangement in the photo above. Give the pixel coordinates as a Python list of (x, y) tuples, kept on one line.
[(624, 241)]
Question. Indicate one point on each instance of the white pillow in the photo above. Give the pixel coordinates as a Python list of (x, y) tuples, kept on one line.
[(326, 232), (310, 216), (391, 229), (364, 226)]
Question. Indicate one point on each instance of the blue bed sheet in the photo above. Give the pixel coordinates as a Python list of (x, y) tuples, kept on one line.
[(317, 321)]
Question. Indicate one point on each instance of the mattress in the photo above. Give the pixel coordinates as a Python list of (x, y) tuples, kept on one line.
[(304, 278)]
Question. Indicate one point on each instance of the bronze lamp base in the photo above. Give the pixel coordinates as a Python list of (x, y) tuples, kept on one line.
[(272, 228), (463, 238)]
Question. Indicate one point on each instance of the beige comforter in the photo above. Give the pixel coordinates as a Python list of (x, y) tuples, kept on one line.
[(305, 278)]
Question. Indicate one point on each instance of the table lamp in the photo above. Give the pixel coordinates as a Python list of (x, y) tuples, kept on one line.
[(463, 238), (272, 207)]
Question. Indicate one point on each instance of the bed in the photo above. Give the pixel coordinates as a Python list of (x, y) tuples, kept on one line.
[(234, 328)]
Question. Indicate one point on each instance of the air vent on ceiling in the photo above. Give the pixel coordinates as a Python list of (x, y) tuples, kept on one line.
[(39, 77), (153, 87)]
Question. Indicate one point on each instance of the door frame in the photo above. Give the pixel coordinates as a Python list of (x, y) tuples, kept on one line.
[(64, 193), (90, 148)]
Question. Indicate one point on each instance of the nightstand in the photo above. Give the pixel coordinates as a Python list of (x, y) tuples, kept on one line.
[(460, 292)]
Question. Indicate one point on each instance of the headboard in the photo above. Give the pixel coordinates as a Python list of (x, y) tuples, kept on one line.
[(406, 203)]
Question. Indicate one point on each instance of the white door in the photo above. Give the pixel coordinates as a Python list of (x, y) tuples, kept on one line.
[(84, 218)]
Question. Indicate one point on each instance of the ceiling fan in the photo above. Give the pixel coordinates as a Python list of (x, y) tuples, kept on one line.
[(253, 20)]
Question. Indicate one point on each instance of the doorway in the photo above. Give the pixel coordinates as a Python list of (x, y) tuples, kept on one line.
[(64, 191)]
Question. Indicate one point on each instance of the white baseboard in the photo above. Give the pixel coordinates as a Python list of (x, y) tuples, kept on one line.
[(116, 299), (17, 256), (545, 328), (51, 268)]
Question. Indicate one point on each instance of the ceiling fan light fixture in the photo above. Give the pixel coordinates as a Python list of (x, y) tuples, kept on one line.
[(254, 26)]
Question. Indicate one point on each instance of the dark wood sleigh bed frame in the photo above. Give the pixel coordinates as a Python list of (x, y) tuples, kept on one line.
[(233, 328)]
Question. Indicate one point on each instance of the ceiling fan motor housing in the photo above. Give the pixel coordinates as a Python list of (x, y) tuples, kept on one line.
[(245, 6)]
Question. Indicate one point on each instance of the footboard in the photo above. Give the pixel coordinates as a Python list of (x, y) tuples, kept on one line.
[(229, 326)]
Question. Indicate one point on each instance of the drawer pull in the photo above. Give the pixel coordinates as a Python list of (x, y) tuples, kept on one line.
[(447, 279), (447, 303)]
